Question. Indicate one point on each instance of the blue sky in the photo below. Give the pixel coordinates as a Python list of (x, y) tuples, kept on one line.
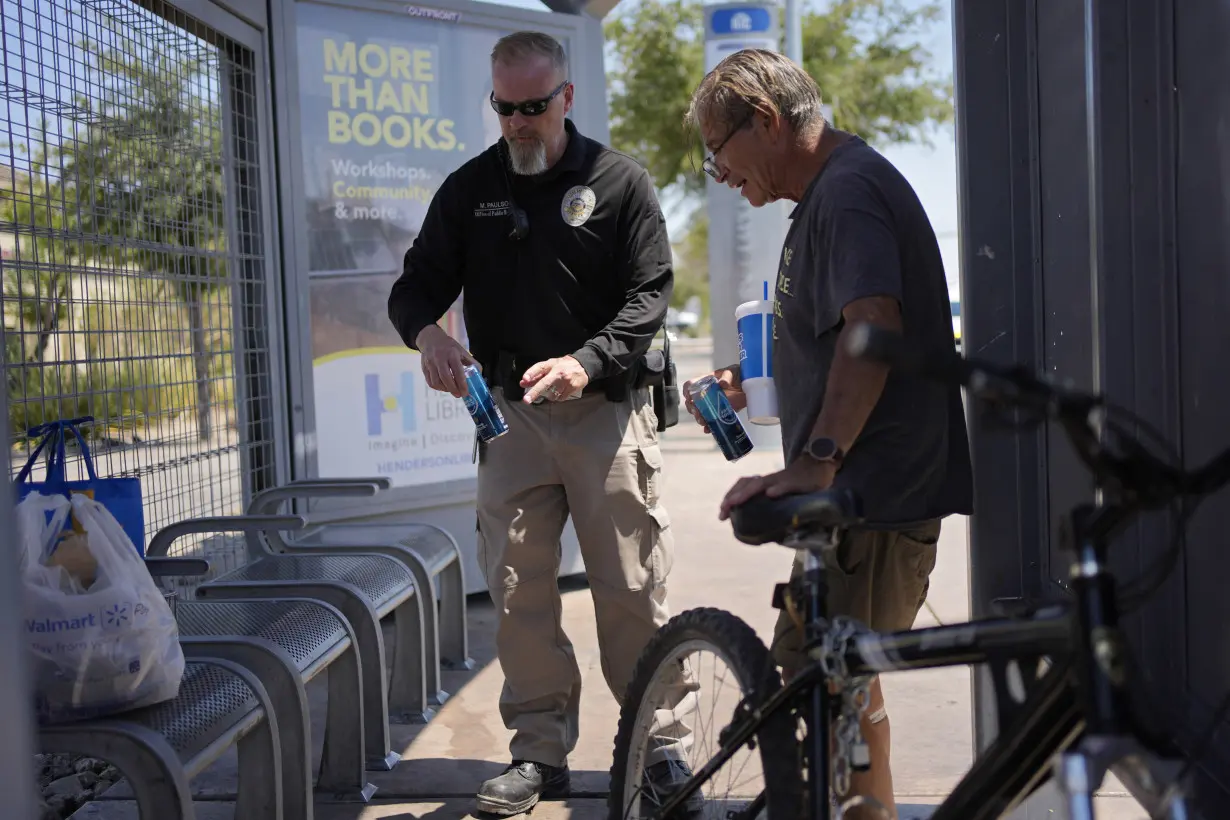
[(931, 170)]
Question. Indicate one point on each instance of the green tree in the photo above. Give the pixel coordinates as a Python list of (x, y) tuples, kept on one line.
[(864, 54), (148, 168), (869, 68), (37, 282), (659, 53), (131, 180)]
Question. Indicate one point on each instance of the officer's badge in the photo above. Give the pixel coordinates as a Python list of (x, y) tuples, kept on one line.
[(578, 204)]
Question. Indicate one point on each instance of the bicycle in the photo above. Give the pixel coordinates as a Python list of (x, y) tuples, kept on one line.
[(1069, 719)]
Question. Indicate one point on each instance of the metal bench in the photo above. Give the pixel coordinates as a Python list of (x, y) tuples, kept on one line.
[(286, 643), (160, 748), (364, 587), (428, 551)]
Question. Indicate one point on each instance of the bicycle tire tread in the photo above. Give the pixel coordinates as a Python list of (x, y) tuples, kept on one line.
[(776, 738)]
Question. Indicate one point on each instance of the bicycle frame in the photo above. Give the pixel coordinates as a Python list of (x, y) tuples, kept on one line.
[(1047, 634), (1081, 695), (1046, 721)]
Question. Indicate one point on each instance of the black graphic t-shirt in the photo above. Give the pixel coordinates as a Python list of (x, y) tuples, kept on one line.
[(860, 231)]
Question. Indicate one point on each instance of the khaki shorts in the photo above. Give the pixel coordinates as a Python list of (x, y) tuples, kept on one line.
[(881, 580)]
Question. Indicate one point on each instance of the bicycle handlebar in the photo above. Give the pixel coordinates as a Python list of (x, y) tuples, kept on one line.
[(1118, 461)]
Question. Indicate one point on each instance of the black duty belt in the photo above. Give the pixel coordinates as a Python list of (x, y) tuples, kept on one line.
[(655, 371), (507, 372)]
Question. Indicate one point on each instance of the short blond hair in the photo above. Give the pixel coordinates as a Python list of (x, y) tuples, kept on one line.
[(521, 45), (754, 80)]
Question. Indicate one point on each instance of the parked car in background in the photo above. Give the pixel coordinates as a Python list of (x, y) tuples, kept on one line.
[(956, 322), (685, 319)]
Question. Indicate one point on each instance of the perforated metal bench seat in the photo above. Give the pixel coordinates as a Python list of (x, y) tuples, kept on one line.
[(381, 581), (286, 643), (365, 587), (428, 552), (434, 547), (160, 748)]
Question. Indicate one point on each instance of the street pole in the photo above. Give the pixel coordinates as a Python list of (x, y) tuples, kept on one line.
[(793, 25), (745, 243)]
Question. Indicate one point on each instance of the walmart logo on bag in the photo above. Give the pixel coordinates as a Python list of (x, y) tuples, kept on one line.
[(379, 404), (116, 615)]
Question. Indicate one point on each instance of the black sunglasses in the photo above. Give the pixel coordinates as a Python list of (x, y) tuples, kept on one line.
[(530, 108)]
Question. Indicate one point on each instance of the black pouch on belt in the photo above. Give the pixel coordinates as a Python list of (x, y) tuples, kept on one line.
[(657, 371)]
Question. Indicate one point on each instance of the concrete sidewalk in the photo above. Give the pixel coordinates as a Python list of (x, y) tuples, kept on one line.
[(445, 761)]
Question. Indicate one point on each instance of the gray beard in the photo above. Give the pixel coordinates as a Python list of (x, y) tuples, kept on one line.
[(528, 159)]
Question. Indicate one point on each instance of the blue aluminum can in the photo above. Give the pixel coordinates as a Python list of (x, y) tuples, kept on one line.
[(482, 407), (724, 424)]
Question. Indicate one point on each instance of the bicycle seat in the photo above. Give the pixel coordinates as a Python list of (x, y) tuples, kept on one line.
[(761, 519)]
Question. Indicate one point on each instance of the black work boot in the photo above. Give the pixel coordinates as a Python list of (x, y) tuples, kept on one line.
[(521, 785), (662, 779)]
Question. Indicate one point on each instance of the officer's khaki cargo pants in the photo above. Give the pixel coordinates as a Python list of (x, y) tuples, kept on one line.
[(600, 462)]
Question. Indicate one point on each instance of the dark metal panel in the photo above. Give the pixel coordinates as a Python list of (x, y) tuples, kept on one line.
[(995, 67), (565, 6), (1161, 306), (254, 11), (1065, 296), (1124, 204), (1202, 166), (1133, 284), (206, 19)]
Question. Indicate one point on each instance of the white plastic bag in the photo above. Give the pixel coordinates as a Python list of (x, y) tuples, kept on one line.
[(99, 650)]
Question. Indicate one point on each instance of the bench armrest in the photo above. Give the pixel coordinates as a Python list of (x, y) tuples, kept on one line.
[(380, 481), (266, 502), (173, 567), (249, 524)]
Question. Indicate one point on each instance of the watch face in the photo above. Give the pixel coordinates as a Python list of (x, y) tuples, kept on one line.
[(822, 449)]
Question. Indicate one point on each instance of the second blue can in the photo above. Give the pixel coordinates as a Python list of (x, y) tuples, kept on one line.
[(724, 424), (481, 405)]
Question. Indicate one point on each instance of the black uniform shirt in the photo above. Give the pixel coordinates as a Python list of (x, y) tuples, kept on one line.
[(592, 279)]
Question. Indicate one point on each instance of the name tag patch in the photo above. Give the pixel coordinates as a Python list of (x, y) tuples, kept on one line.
[(495, 208)]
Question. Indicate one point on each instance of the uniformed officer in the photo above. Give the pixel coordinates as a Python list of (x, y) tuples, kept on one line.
[(561, 249)]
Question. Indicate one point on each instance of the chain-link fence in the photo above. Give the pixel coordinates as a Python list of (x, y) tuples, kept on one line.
[(134, 278)]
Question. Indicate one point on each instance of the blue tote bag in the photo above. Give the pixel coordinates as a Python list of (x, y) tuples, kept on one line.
[(121, 496)]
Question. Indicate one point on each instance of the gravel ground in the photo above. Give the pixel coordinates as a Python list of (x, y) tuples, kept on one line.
[(68, 781)]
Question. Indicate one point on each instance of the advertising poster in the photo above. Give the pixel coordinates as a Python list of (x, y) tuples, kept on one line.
[(391, 104)]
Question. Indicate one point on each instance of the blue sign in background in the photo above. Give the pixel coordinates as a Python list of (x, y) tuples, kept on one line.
[(746, 20), (756, 345)]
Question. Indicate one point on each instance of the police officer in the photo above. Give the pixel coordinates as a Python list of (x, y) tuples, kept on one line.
[(561, 249)]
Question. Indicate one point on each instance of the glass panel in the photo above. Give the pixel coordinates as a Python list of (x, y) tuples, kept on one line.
[(391, 104)]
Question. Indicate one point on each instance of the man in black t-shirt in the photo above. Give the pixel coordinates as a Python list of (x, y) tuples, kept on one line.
[(859, 249)]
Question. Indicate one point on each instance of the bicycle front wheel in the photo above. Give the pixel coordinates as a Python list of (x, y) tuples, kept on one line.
[(655, 724)]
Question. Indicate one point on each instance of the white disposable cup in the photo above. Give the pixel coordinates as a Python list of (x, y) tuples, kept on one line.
[(761, 395), (754, 321)]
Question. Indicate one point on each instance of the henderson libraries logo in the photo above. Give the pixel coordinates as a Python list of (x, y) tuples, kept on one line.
[(379, 404)]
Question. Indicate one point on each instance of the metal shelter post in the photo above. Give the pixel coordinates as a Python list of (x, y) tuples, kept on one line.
[(1093, 248), (16, 704)]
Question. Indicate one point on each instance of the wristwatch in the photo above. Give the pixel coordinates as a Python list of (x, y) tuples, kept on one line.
[(824, 450)]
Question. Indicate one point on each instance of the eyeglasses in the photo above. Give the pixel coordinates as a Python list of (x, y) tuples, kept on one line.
[(710, 163), (530, 108)]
